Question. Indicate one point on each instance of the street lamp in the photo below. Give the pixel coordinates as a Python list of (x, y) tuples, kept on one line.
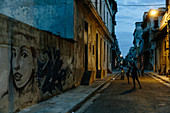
[(153, 12)]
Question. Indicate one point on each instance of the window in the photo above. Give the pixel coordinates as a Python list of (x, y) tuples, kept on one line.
[(100, 7), (107, 19), (93, 49), (104, 13), (96, 4), (156, 23), (110, 54), (104, 51), (96, 44), (165, 45), (86, 26)]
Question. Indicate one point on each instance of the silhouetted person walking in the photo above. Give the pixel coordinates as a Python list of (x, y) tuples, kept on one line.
[(134, 73), (128, 74), (122, 73)]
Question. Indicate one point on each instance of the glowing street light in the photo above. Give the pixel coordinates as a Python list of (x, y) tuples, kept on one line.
[(153, 12)]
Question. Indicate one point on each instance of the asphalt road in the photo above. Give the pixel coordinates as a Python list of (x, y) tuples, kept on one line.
[(119, 97)]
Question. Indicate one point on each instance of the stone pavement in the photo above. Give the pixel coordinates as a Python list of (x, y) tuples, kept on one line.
[(161, 78), (71, 99)]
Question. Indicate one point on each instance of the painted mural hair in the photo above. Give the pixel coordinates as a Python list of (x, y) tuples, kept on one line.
[(28, 38)]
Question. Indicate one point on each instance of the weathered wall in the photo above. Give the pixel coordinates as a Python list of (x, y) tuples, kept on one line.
[(34, 65), (79, 45), (96, 60), (55, 16)]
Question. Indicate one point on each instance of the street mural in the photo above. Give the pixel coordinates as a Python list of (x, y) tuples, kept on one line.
[(52, 73), (35, 73), (34, 65), (24, 71)]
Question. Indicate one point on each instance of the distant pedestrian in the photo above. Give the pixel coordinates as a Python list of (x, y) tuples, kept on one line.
[(134, 73), (122, 74), (142, 71), (128, 74)]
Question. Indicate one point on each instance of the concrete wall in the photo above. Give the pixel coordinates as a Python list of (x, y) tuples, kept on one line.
[(79, 45), (34, 64), (55, 16)]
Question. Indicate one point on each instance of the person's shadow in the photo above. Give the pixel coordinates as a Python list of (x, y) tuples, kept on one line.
[(128, 91)]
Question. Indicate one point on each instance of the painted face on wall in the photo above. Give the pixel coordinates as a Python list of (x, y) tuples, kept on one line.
[(22, 61)]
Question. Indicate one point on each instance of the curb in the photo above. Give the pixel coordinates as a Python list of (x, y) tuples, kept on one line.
[(161, 79), (158, 79), (76, 107)]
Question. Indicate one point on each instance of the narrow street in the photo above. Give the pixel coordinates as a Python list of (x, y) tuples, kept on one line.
[(67, 56), (119, 97)]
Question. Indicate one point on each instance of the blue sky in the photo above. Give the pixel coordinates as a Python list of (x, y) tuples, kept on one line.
[(126, 18)]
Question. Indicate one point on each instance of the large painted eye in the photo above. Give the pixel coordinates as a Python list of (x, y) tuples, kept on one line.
[(24, 55)]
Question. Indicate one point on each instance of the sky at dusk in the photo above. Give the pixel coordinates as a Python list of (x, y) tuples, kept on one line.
[(126, 18)]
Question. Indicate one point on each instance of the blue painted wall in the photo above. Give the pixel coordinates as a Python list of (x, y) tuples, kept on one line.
[(55, 16)]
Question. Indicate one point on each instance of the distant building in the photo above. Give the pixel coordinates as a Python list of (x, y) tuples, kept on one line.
[(116, 55), (150, 28), (131, 56), (138, 42)]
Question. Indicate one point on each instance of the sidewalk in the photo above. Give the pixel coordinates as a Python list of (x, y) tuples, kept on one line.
[(69, 100), (161, 78)]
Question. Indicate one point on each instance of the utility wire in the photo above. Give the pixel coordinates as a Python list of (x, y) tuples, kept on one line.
[(103, 2), (143, 5)]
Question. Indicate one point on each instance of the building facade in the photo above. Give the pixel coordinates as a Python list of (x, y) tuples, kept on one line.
[(138, 42), (57, 45), (96, 36), (150, 28), (162, 64)]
